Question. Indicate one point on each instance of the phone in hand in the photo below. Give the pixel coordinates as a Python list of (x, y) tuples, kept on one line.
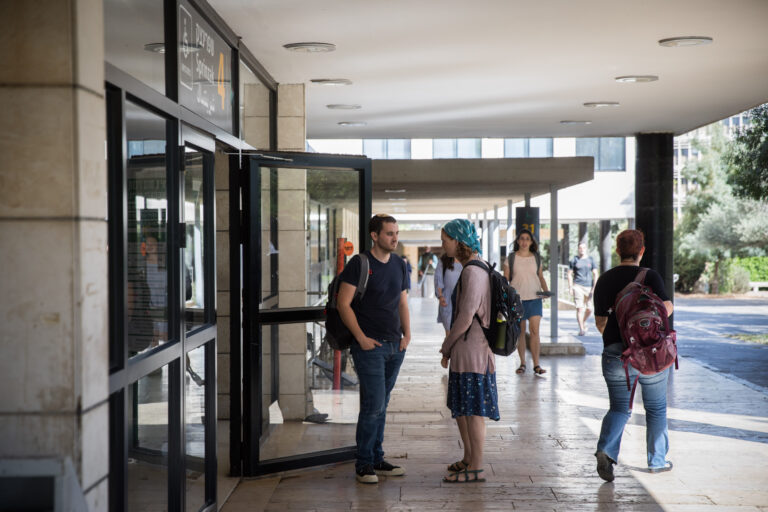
[(544, 294)]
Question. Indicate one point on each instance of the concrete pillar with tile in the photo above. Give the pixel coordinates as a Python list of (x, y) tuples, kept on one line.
[(294, 397), (53, 227)]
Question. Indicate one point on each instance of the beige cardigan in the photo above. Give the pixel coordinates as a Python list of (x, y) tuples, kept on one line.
[(473, 353)]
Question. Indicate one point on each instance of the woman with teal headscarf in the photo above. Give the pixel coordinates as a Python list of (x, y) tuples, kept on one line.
[(472, 394)]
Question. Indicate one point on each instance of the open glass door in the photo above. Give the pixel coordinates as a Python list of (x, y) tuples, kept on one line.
[(302, 216)]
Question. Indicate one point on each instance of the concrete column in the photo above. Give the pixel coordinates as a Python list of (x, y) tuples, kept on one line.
[(605, 245), (294, 397), (583, 234), (653, 201), (553, 258), (510, 231), (256, 115), (53, 227)]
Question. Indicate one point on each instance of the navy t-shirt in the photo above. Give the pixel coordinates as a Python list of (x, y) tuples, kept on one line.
[(582, 270), (608, 287), (378, 314)]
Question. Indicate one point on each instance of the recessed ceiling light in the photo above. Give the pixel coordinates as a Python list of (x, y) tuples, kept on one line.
[(394, 190), (351, 123), (575, 122), (685, 41), (631, 79), (396, 199), (331, 81), (600, 104), (344, 106), (155, 47), (310, 47)]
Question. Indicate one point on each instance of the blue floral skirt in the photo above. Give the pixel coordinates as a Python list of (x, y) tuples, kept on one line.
[(473, 394)]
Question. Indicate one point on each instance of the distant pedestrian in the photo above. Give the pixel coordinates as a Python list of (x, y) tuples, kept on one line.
[(630, 245), (524, 272), (408, 269), (582, 276), (446, 276), (472, 393)]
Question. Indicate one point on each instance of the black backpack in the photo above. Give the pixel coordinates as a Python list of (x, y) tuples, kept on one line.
[(506, 312), (337, 334)]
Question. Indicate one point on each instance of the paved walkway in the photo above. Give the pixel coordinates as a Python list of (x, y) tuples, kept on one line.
[(540, 455)]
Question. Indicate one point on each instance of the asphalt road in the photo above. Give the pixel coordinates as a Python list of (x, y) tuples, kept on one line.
[(703, 326)]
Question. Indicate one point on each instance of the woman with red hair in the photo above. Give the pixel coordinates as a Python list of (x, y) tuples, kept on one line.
[(630, 245)]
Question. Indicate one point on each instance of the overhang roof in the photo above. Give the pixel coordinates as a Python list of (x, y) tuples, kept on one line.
[(511, 68), (470, 185)]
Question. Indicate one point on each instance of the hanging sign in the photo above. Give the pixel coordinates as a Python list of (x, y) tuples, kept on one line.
[(527, 218), (349, 248), (205, 69)]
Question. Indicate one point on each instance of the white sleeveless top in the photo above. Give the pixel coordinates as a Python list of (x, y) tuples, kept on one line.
[(525, 277)]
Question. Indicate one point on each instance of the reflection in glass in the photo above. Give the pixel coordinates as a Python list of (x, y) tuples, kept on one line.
[(147, 471), (194, 269), (194, 407), (140, 53), (147, 235), (612, 154), (332, 217), (293, 425)]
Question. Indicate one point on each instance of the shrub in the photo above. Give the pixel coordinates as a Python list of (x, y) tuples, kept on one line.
[(689, 267), (756, 266)]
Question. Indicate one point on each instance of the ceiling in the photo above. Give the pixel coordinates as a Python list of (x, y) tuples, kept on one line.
[(508, 68)]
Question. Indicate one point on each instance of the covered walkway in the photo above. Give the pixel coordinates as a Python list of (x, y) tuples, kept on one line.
[(539, 456)]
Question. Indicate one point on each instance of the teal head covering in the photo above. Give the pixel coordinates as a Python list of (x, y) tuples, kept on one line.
[(464, 231)]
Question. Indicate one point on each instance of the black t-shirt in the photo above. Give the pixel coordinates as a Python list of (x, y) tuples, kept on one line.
[(378, 314), (608, 287), (582, 270)]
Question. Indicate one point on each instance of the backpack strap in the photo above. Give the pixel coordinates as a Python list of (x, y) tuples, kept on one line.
[(482, 265), (511, 262), (362, 283), (640, 277)]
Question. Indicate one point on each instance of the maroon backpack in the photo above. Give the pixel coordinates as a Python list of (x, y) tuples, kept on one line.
[(649, 343)]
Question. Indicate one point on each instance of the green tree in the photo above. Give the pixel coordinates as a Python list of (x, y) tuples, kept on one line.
[(748, 157)]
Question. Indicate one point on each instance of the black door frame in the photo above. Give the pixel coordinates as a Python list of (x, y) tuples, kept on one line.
[(246, 353)]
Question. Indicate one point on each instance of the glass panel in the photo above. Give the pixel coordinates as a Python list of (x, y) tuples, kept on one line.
[(147, 472), (612, 154), (194, 429), (443, 148), (399, 148), (515, 148), (134, 39), (269, 255), (468, 148), (147, 223), (194, 268), (588, 146), (254, 109), (309, 415), (540, 148), (375, 148)]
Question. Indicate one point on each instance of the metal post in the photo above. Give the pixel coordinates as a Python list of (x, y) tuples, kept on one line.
[(553, 259), (509, 226)]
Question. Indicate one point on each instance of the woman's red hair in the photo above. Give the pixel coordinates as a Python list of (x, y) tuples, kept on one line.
[(629, 243)]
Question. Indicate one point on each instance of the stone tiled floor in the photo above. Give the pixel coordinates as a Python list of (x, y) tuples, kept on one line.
[(539, 456)]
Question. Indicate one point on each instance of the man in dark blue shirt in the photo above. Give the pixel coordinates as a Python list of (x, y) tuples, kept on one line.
[(381, 324)]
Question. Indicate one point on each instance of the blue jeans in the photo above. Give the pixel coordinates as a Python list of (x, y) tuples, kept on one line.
[(654, 389), (377, 371)]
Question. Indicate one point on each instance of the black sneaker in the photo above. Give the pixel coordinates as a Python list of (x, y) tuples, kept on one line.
[(604, 466), (366, 475), (387, 469)]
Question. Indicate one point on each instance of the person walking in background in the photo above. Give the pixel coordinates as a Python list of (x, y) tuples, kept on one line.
[(427, 264), (630, 245), (381, 325), (582, 276), (472, 393), (408, 270), (446, 275), (524, 273)]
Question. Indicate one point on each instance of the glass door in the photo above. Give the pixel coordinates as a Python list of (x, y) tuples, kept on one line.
[(300, 214)]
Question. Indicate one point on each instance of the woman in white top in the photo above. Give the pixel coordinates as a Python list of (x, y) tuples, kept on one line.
[(527, 278), (446, 277)]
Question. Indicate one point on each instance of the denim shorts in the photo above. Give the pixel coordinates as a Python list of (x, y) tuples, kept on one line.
[(532, 308)]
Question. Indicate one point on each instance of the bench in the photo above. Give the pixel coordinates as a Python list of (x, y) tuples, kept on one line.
[(756, 285)]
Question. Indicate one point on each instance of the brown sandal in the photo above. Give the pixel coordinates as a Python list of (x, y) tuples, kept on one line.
[(457, 466)]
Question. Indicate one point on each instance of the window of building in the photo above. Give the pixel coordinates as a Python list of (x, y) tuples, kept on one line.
[(528, 148), (468, 148), (608, 152), (444, 148)]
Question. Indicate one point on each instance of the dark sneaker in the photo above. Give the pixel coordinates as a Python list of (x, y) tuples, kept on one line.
[(366, 475), (386, 469), (666, 467), (604, 466)]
